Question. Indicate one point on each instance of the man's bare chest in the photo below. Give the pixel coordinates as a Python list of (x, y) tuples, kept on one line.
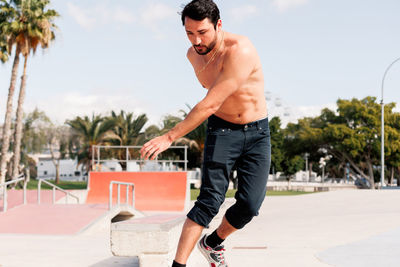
[(209, 76)]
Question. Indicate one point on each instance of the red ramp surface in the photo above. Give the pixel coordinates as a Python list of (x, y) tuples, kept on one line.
[(48, 219), (16, 197), (157, 191)]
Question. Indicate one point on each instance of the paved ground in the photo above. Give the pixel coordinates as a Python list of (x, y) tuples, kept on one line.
[(340, 228), (379, 250), (296, 229), (48, 219)]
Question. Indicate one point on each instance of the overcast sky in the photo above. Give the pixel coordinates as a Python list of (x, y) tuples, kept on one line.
[(131, 55)]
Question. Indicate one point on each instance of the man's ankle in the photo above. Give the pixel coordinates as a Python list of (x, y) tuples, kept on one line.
[(214, 240), (175, 264)]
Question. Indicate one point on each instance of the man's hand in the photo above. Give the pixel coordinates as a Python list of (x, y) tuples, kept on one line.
[(155, 146)]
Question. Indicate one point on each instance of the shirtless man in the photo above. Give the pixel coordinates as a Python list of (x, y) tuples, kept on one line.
[(237, 135)]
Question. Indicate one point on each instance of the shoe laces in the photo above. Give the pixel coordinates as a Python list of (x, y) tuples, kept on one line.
[(219, 251)]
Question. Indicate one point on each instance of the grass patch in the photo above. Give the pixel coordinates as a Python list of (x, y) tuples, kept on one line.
[(67, 185), (194, 193)]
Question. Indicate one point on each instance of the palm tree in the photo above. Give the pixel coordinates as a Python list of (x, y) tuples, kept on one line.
[(6, 16), (3, 48), (94, 131), (33, 27), (3, 40), (129, 130), (196, 138), (26, 25)]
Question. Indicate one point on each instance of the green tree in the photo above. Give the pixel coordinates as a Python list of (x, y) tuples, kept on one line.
[(277, 141), (33, 27), (292, 165), (92, 131), (351, 135), (26, 25), (195, 140), (354, 137), (58, 140), (35, 126), (128, 128), (304, 137), (4, 53), (6, 18), (393, 149), (3, 48)]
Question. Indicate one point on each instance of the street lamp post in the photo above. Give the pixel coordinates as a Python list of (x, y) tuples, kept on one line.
[(306, 155), (383, 125)]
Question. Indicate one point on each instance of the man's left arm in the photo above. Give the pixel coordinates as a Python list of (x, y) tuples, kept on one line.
[(237, 67)]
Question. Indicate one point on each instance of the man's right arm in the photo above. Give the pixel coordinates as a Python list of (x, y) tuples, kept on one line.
[(237, 68)]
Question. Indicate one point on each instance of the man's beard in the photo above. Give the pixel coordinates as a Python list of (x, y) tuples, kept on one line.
[(207, 48)]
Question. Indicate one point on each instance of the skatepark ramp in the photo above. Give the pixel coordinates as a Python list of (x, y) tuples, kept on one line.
[(40, 215), (154, 191)]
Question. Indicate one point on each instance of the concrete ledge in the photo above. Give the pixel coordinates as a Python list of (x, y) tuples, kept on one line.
[(153, 239), (104, 222)]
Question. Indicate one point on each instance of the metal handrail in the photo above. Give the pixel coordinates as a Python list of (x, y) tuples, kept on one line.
[(54, 192), (5, 196), (119, 193), (141, 160), (96, 150)]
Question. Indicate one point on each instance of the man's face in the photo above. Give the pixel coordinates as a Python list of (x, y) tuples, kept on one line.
[(201, 34)]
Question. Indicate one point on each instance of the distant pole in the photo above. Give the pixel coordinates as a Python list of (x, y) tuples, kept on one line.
[(383, 125), (307, 174)]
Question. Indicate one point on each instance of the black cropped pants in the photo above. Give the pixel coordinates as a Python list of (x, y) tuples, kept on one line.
[(248, 148)]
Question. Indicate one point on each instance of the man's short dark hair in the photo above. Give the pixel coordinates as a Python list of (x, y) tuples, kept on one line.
[(201, 9)]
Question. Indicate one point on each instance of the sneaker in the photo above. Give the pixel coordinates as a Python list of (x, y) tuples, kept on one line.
[(214, 256)]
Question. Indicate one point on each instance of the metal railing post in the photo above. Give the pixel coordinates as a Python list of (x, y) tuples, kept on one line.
[(110, 196), (93, 163), (110, 202), (186, 158), (98, 157), (127, 154), (5, 192), (54, 187)]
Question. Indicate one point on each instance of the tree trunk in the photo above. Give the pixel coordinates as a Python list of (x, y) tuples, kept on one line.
[(310, 164), (7, 120), (346, 158), (391, 175), (18, 128), (56, 161), (58, 172), (398, 178)]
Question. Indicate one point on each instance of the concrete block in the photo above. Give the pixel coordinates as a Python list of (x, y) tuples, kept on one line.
[(153, 239)]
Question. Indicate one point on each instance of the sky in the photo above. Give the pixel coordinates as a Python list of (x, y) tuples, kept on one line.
[(131, 55)]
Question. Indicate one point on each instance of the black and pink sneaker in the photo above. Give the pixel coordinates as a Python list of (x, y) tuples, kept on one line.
[(214, 256)]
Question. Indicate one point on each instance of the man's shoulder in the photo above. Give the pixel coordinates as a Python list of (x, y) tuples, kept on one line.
[(239, 45), (190, 53), (237, 39)]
